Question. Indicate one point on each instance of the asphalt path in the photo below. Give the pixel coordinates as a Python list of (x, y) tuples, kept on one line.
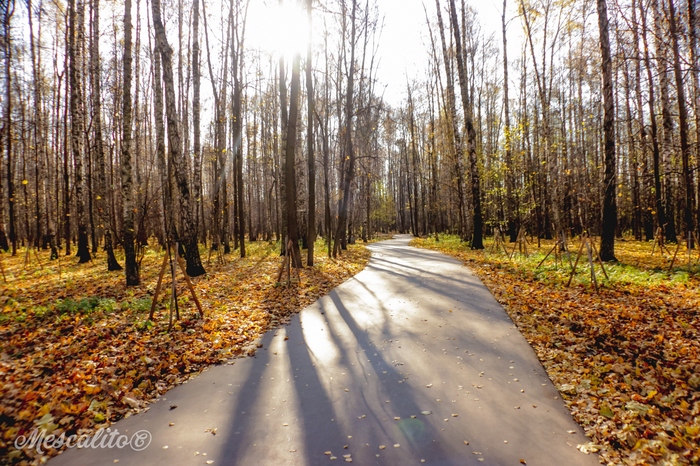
[(412, 361)]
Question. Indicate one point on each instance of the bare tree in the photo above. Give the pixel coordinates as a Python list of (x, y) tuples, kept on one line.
[(607, 240), (189, 239), (688, 181), (76, 34), (128, 235), (290, 168), (311, 223), (9, 10), (477, 235), (101, 191), (348, 161), (511, 216)]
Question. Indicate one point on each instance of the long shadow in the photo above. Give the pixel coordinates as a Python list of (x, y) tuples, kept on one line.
[(432, 259), (242, 433), (421, 271), (386, 313), (420, 435), (445, 290), (315, 408)]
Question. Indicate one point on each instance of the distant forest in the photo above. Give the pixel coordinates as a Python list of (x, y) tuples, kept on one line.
[(106, 144)]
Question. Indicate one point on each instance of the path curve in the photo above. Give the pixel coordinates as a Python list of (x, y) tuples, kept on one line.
[(414, 332)]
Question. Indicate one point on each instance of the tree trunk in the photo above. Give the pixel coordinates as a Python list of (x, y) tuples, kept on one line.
[(290, 169), (165, 168), (189, 239), (477, 236), (283, 164), (311, 223), (348, 163), (511, 219), (132, 269), (667, 123), (607, 240), (694, 45), (76, 35), (100, 194), (196, 115), (688, 208), (453, 129), (656, 151), (237, 51), (9, 12)]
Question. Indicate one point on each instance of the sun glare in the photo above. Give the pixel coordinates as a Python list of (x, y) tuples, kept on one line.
[(285, 28)]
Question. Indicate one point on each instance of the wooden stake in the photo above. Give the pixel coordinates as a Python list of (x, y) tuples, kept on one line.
[(287, 264), (2, 269), (173, 291), (181, 263), (660, 241), (26, 257), (600, 261), (160, 282), (283, 266), (675, 254), (520, 244), (556, 244), (499, 242), (578, 256), (58, 261), (36, 256), (590, 263), (175, 262)]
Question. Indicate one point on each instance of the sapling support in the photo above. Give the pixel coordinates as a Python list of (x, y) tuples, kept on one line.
[(2, 269), (36, 256), (593, 255), (175, 261), (498, 241), (660, 242), (689, 246), (220, 253), (559, 245), (520, 244), (290, 256)]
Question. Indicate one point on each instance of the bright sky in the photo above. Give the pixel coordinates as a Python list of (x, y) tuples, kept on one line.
[(404, 44)]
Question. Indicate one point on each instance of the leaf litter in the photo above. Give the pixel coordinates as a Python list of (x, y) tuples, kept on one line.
[(77, 351), (626, 360)]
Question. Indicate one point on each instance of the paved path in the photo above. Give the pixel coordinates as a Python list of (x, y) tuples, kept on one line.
[(414, 333)]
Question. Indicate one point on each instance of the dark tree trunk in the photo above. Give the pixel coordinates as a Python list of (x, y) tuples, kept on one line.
[(77, 112), (101, 191), (290, 171), (189, 240), (607, 240), (453, 130), (656, 151), (348, 163), (511, 218), (196, 115), (683, 122), (8, 13), (311, 223), (477, 236), (128, 236)]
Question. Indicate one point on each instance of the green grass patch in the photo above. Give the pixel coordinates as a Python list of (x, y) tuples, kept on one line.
[(628, 271)]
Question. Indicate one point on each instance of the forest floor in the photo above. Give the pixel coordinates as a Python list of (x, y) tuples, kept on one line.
[(78, 352), (626, 360)]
